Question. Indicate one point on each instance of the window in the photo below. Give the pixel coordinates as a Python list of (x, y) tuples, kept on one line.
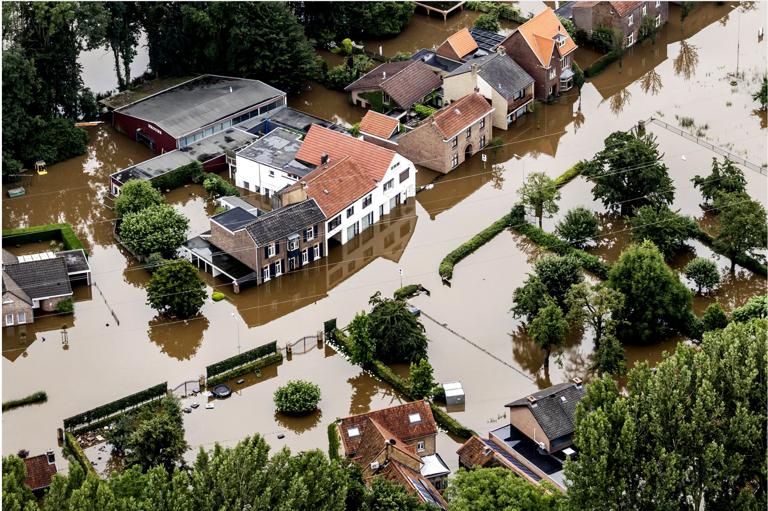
[(631, 20), (278, 268), (567, 61), (551, 73), (368, 200), (482, 141), (519, 94), (455, 142), (246, 185), (561, 42), (265, 273), (353, 230), (658, 20), (404, 175), (21, 317), (8, 319), (353, 432), (271, 250), (455, 161), (293, 244), (271, 173), (305, 256), (309, 234), (469, 132), (389, 184), (414, 418), (334, 223), (317, 251), (420, 446), (397, 164), (350, 211), (630, 40), (367, 220), (645, 10), (658, 4)]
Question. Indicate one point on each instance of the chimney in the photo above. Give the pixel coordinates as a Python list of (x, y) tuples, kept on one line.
[(473, 67), (577, 382), (384, 74), (51, 457), (531, 399), (324, 159), (501, 50)]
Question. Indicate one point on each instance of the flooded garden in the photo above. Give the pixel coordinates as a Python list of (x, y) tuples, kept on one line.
[(705, 68)]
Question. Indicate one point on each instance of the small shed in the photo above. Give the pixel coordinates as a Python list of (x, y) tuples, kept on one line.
[(454, 393)]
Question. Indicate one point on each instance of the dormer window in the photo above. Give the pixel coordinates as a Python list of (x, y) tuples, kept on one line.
[(414, 418), (353, 432), (560, 40)]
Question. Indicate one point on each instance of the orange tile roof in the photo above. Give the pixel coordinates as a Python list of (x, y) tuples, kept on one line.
[(452, 119), (406, 476), (539, 32), (39, 472), (462, 42), (473, 452), (378, 125), (624, 8), (372, 159), (337, 186)]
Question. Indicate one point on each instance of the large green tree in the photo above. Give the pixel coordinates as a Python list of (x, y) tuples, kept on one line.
[(689, 435), (743, 228), (389, 496), (548, 329), (158, 440), (399, 335), (667, 229), (175, 289), (628, 173), (158, 228), (493, 489), (703, 272), (724, 177), (421, 379), (362, 347), (137, 195), (540, 193), (552, 278), (578, 227), (16, 495), (593, 305), (656, 303)]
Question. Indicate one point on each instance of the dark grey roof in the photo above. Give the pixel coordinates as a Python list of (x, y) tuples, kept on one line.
[(486, 40), (41, 278), (76, 260), (282, 222), (234, 219), (435, 61), (203, 150), (276, 149), (191, 105), (288, 118), (565, 10), (554, 408), (232, 201), (500, 71)]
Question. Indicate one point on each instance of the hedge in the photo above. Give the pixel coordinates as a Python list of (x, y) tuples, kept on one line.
[(600, 64), (108, 409), (274, 358), (189, 173), (450, 424), (333, 442), (466, 248), (407, 291), (37, 397), (73, 449), (241, 359), (742, 260), (111, 419), (570, 174), (49, 232)]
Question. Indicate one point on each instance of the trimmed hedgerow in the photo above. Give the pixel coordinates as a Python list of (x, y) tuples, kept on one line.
[(333, 442), (38, 397), (274, 358), (407, 291), (108, 409), (466, 248), (72, 449), (48, 232), (241, 359)]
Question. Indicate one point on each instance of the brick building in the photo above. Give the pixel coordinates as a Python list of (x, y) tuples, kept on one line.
[(626, 17)]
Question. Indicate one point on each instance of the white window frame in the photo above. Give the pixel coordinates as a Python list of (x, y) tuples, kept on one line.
[(305, 257), (9, 319), (482, 141), (293, 244), (389, 184), (316, 249), (631, 20), (265, 273), (630, 40), (310, 233), (455, 160), (21, 317), (278, 268), (645, 10), (351, 211), (271, 173), (482, 123), (368, 200), (552, 72), (455, 141), (420, 446), (658, 4), (271, 250), (658, 20)]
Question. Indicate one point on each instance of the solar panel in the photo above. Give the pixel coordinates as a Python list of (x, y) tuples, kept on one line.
[(512, 460), (426, 495)]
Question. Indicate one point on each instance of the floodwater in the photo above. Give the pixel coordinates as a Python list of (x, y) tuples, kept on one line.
[(473, 337)]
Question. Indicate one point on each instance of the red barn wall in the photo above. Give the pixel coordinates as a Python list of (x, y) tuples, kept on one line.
[(128, 125)]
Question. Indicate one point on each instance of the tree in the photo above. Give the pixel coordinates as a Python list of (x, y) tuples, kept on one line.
[(703, 272), (558, 274), (398, 334), (362, 348), (216, 186), (297, 397), (488, 21), (421, 380), (667, 229), (743, 227), (16, 495), (578, 226), (609, 357), (137, 195), (388, 496), (756, 307), (628, 173), (548, 329), (176, 290), (372, 20), (492, 489), (762, 95), (593, 304), (689, 434), (157, 228), (530, 298), (714, 318), (655, 301), (724, 178), (122, 31), (540, 193), (159, 440)]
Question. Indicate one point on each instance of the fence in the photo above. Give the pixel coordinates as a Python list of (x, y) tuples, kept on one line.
[(724, 152), (316, 340), (187, 388), (119, 405)]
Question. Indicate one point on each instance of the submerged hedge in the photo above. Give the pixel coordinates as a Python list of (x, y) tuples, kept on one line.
[(743, 260), (241, 359), (38, 397), (72, 449), (274, 358), (108, 409), (466, 248), (407, 291), (48, 232)]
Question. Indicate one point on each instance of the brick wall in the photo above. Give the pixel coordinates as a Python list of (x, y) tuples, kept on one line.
[(14, 307), (239, 245), (603, 15), (518, 49)]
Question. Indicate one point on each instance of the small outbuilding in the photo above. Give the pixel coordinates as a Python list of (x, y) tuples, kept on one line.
[(454, 393)]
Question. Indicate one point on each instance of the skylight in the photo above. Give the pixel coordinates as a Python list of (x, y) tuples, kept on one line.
[(352, 432), (414, 417)]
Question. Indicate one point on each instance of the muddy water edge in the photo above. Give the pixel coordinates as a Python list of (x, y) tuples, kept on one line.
[(473, 338)]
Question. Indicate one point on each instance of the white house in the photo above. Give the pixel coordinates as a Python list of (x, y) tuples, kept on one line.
[(267, 165), (354, 182)]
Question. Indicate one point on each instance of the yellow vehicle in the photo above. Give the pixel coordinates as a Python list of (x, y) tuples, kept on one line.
[(41, 168)]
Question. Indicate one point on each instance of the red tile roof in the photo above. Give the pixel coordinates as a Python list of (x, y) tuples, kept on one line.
[(621, 8), (39, 472), (394, 419), (374, 78), (539, 32), (405, 476), (462, 43), (411, 84), (337, 186), (370, 158), (473, 453), (454, 118), (378, 125)]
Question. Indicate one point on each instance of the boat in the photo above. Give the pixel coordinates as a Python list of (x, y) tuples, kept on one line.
[(17, 192)]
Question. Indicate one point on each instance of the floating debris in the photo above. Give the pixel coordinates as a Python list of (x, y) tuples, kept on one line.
[(281, 436), (209, 406)]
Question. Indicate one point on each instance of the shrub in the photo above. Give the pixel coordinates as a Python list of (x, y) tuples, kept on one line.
[(218, 296), (401, 56), (756, 307), (297, 397), (423, 111), (65, 306), (37, 397), (189, 173), (137, 195), (73, 450), (714, 318), (333, 442), (407, 291), (667, 229), (155, 260), (703, 273), (216, 186), (421, 379), (578, 227), (488, 21), (156, 229)]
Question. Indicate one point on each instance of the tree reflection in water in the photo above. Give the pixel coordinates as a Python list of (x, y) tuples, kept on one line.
[(179, 340), (299, 424), (618, 101), (497, 176), (686, 61), (651, 82)]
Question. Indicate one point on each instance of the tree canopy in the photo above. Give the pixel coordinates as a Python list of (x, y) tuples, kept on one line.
[(137, 195), (421, 379), (725, 177), (175, 289), (667, 229), (398, 334), (593, 305), (493, 489), (628, 173), (578, 226), (488, 21), (743, 228), (703, 272), (551, 279), (548, 329), (158, 228), (690, 433), (540, 193), (297, 397)]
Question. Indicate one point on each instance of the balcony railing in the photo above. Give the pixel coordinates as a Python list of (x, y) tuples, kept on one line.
[(514, 104)]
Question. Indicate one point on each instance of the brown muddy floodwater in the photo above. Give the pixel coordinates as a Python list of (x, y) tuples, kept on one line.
[(687, 72)]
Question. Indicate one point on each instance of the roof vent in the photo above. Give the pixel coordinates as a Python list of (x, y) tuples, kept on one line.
[(384, 74), (531, 399), (51, 457), (457, 111), (577, 381), (324, 159)]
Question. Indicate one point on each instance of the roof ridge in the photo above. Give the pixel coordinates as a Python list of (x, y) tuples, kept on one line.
[(398, 72)]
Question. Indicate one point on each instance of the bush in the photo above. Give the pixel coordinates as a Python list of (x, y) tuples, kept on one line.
[(407, 291), (297, 397), (37, 233), (37, 397), (137, 195), (333, 442), (578, 227), (238, 360), (156, 229), (703, 272), (218, 296), (423, 111), (570, 174), (72, 449), (65, 306), (250, 367), (714, 318), (189, 173), (756, 307), (155, 260), (176, 289), (216, 186), (489, 22)]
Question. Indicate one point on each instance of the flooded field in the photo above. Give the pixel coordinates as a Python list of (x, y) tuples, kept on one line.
[(473, 337)]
